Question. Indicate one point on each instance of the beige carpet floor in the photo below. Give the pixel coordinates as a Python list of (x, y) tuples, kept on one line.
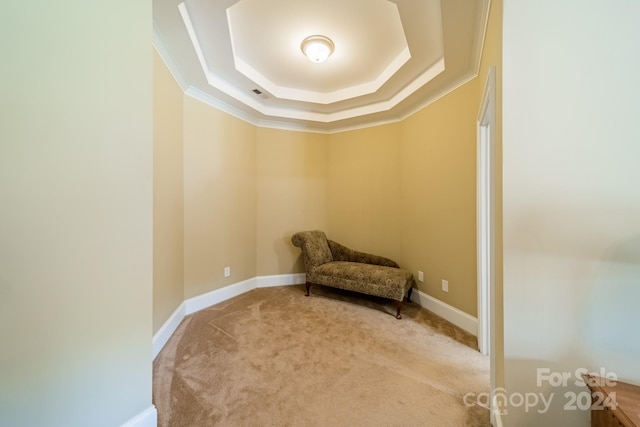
[(273, 357)]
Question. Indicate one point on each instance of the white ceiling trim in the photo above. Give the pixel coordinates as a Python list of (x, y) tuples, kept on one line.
[(322, 97), (214, 102), (268, 120), (479, 43), (291, 113), (297, 114), (161, 47)]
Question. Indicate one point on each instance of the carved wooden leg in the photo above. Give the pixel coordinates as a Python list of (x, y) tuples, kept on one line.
[(398, 308), (409, 294), (308, 285)]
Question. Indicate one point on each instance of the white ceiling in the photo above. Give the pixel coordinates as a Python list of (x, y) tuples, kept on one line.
[(391, 58)]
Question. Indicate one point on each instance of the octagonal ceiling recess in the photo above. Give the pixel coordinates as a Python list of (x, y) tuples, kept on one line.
[(269, 53), (391, 58)]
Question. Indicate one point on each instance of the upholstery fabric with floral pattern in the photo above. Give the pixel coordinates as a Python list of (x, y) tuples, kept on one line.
[(329, 263)]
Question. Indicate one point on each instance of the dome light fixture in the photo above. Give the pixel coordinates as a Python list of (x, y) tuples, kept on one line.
[(317, 48)]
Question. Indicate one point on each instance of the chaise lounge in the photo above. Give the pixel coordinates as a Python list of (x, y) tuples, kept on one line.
[(330, 264)]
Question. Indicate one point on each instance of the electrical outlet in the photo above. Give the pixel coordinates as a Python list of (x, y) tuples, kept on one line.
[(445, 285), (420, 276), (227, 271)]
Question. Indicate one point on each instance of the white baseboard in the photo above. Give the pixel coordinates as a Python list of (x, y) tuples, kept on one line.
[(199, 302), (446, 311), (191, 305), (217, 296), (146, 418), (281, 280), (161, 337)]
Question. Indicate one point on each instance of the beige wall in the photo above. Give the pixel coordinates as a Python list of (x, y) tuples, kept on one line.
[(571, 198), (76, 212), (404, 190), (407, 191), (364, 190), (219, 198), (291, 195), (439, 196), (168, 250), (349, 184)]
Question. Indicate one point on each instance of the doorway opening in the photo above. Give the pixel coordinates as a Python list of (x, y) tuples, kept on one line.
[(485, 215)]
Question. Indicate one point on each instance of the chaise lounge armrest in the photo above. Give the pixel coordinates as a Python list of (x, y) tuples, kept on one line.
[(343, 253)]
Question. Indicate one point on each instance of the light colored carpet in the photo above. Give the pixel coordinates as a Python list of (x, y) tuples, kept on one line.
[(273, 357)]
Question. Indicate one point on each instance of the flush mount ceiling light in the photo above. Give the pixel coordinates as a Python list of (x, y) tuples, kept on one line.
[(317, 48)]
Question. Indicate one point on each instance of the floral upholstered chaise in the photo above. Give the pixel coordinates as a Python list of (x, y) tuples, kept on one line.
[(331, 264)]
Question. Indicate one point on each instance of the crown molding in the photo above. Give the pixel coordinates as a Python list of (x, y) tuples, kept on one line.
[(273, 117)]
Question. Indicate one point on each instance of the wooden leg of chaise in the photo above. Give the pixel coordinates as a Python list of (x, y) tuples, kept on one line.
[(409, 294), (308, 285), (398, 308)]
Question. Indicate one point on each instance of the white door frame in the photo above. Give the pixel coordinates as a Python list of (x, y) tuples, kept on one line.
[(485, 214)]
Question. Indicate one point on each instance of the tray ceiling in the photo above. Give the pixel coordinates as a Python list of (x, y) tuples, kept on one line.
[(390, 58)]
